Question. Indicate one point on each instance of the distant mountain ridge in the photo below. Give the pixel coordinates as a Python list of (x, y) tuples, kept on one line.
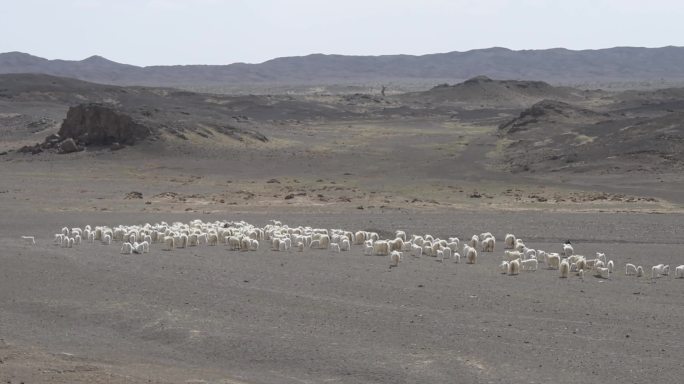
[(552, 65)]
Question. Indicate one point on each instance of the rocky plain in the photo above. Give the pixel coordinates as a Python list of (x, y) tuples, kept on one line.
[(547, 162)]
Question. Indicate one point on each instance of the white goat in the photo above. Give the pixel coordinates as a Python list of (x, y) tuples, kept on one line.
[(640, 271), (503, 267), (529, 265), (564, 269), (395, 258), (470, 255), (126, 248), (509, 241), (568, 250), (169, 243), (514, 267), (512, 255), (602, 256), (474, 242), (659, 270), (603, 273), (488, 244), (679, 272), (396, 244), (554, 260), (630, 269), (254, 245), (381, 248)]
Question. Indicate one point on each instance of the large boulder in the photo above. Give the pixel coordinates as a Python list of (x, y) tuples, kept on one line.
[(68, 146), (97, 124)]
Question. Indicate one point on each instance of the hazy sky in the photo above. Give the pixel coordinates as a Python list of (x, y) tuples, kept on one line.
[(149, 32)]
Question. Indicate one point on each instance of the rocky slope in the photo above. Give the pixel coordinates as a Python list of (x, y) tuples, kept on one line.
[(556, 136), (482, 91)]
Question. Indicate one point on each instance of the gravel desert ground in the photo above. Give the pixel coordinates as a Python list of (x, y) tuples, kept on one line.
[(206, 314), (452, 161)]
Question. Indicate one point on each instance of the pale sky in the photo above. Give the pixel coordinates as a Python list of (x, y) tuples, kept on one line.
[(166, 32)]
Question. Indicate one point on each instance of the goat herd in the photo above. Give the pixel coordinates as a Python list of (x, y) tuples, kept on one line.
[(241, 236)]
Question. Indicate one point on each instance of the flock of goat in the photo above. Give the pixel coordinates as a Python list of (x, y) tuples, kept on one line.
[(241, 236)]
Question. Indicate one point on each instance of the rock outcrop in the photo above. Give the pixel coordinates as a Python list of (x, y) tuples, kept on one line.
[(96, 124), (549, 112)]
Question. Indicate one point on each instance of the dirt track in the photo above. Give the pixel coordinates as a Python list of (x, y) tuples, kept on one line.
[(207, 314)]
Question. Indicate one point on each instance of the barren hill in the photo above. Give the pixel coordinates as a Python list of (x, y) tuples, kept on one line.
[(481, 91), (551, 65), (555, 136)]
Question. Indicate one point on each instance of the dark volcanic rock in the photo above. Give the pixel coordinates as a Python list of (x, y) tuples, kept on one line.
[(32, 149), (556, 136), (96, 124), (68, 146), (52, 140), (549, 112), (133, 195)]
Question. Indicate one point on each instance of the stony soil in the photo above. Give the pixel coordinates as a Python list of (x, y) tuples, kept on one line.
[(89, 314), (206, 314)]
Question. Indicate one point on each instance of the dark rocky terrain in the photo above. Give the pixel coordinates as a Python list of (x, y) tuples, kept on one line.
[(520, 126), (481, 91), (553, 136)]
